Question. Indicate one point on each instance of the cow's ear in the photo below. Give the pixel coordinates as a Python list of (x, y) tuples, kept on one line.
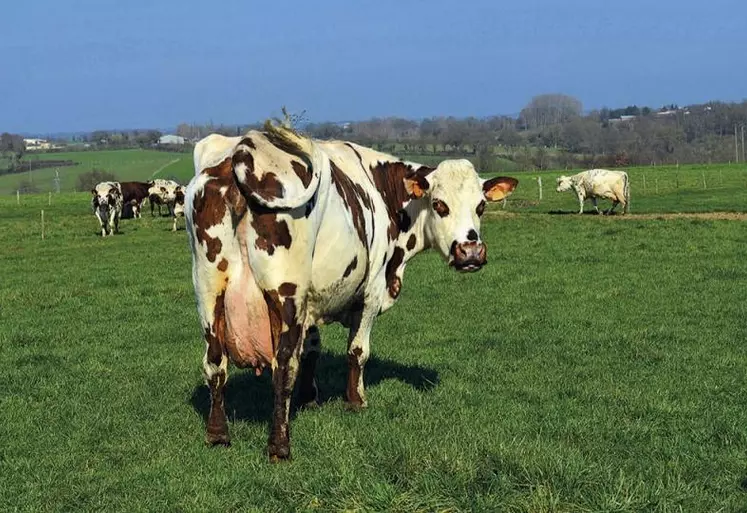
[(416, 186), (416, 182), (93, 191), (495, 189)]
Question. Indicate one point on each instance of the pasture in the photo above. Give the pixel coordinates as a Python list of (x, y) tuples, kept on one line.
[(595, 364), (125, 164)]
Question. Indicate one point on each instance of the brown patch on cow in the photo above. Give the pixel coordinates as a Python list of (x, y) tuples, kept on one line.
[(215, 333), (223, 265), (210, 205), (355, 198), (357, 154), (354, 374), (394, 284), (271, 233), (302, 172), (441, 208), (411, 242), (287, 289), (480, 209), (349, 269), (389, 178), (276, 320), (247, 141), (268, 187)]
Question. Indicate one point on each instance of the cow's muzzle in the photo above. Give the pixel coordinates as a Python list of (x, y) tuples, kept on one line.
[(469, 256)]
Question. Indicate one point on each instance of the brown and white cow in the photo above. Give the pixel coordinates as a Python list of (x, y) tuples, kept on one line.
[(134, 193), (169, 193), (288, 233), (107, 206)]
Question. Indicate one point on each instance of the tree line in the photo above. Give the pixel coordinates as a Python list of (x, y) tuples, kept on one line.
[(552, 131)]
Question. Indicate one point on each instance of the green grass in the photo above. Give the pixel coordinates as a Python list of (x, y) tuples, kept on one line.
[(653, 190), (125, 164), (596, 364)]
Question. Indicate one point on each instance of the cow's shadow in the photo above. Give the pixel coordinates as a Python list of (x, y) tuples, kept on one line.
[(575, 212), (249, 397)]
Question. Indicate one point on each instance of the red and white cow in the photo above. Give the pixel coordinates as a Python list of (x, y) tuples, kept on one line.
[(287, 233), (134, 193), (107, 206)]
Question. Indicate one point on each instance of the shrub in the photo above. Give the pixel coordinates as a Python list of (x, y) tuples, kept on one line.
[(89, 180)]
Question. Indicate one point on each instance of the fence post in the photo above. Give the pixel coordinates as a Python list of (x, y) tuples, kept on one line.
[(18, 196), (42, 224), (656, 181), (50, 198), (704, 182), (539, 185), (644, 183)]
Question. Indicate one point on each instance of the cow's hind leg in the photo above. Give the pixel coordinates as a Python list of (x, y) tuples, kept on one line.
[(594, 202), (287, 335), (215, 371), (308, 392)]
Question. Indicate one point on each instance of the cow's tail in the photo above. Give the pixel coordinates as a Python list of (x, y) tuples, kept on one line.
[(295, 185), (626, 192)]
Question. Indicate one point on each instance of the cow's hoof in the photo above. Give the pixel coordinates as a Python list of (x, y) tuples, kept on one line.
[(217, 439), (356, 406), (278, 453), (309, 398)]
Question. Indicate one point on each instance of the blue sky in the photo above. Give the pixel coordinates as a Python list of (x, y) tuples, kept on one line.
[(85, 65)]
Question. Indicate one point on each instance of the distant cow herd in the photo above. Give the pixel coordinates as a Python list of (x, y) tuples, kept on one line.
[(111, 198)]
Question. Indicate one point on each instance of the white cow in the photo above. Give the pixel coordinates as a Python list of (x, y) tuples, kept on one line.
[(107, 206), (288, 233), (598, 183)]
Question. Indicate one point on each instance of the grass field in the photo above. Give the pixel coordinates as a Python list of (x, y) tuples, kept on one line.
[(125, 164), (596, 364)]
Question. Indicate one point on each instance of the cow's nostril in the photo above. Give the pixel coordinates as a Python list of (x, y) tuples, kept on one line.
[(472, 235)]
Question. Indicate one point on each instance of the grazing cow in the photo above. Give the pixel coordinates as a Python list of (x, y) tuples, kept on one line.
[(598, 183), (134, 193), (169, 193), (107, 206), (287, 233)]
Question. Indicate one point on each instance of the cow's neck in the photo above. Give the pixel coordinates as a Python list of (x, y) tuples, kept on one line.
[(411, 240)]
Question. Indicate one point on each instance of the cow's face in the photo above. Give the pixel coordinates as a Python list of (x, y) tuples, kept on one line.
[(455, 197), (103, 200), (564, 183)]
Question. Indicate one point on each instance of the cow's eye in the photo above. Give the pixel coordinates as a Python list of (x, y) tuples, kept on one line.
[(441, 208), (480, 208)]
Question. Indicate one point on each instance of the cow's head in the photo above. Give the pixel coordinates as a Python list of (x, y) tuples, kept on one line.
[(564, 183), (103, 200), (455, 199)]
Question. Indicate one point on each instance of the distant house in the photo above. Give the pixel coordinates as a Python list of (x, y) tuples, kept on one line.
[(171, 139), (37, 144), (623, 119)]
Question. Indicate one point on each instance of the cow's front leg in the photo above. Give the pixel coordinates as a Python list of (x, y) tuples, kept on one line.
[(308, 392), (581, 203), (359, 348), (612, 208), (287, 336)]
